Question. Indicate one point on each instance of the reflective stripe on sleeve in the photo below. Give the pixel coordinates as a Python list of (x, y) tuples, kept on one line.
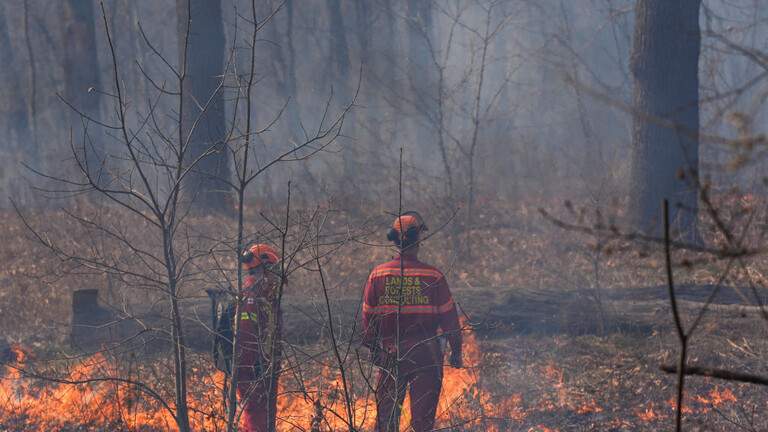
[(404, 309), (407, 272)]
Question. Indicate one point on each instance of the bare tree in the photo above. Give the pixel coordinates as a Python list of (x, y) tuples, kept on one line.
[(148, 187)]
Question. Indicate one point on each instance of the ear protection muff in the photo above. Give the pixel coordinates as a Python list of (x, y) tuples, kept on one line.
[(415, 225), (417, 216), (246, 257), (258, 254)]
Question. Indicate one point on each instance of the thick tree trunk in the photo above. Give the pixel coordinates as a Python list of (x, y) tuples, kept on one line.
[(201, 54), (664, 63), (82, 83)]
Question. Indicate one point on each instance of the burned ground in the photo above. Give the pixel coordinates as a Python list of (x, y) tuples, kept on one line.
[(569, 337)]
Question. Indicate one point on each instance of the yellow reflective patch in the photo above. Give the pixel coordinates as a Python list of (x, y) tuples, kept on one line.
[(403, 291)]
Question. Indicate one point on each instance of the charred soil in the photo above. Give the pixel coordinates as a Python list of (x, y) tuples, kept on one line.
[(564, 336)]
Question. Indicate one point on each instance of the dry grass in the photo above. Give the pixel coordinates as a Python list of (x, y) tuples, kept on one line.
[(575, 375)]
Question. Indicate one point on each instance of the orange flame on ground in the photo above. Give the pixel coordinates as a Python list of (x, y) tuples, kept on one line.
[(672, 403), (463, 402), (319, 406), (565, 398), (648, 414), (698, 404), (316, 405), (49, 407), (716, 397)]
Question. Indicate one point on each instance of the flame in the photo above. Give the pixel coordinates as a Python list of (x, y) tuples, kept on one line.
[(716, 397), (318, 404), (18, 353), (97, 402), (566, 398), (648, 414), (672, 403), (704, 403), (698, 404), (463, 401)]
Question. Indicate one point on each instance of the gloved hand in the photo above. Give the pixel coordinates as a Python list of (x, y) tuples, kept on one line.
[(455, 359)]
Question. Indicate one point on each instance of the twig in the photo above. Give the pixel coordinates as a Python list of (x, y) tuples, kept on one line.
[(681, 335)]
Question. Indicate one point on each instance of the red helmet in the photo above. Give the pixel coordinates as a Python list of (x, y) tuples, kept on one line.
[(258, 254), (408, 223)]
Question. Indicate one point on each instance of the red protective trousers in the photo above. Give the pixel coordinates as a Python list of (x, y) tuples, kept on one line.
[(258, 365), (420, 373), (257, 392)]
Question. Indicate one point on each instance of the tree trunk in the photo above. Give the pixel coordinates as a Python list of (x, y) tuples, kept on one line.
[(421, 75), (201, 56), (387, 41), (290, 91), (339, 74), (177, 334), (371, 118), (284, 69), (82, 83), (13, 110), (664, 63), (16, 142)]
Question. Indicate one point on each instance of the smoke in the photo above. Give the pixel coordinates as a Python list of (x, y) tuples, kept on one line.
[(413, 70)]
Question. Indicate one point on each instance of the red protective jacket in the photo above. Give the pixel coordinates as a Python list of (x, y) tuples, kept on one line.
[(424, 304), (258, 313)]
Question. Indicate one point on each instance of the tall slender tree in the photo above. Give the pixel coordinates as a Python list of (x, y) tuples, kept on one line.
[(664, 64), (201, 63), (16, 141), (13, 112), (82, 83), (421, 73), (339, 77)]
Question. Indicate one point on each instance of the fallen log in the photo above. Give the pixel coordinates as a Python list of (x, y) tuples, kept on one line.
[(718, 373)]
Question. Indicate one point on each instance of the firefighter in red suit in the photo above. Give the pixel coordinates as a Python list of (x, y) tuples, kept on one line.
[(408, 295), (258, 343)]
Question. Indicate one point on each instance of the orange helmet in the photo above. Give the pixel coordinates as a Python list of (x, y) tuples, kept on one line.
[(258, 254), (408, 222)]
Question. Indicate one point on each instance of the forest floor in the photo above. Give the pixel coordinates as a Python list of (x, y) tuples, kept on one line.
[(570, 335)]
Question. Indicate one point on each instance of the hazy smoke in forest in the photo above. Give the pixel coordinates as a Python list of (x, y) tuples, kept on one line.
[(418, 65)]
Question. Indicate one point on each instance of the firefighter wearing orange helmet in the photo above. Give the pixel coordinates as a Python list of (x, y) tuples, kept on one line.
[(405, 303), (258, 343)]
